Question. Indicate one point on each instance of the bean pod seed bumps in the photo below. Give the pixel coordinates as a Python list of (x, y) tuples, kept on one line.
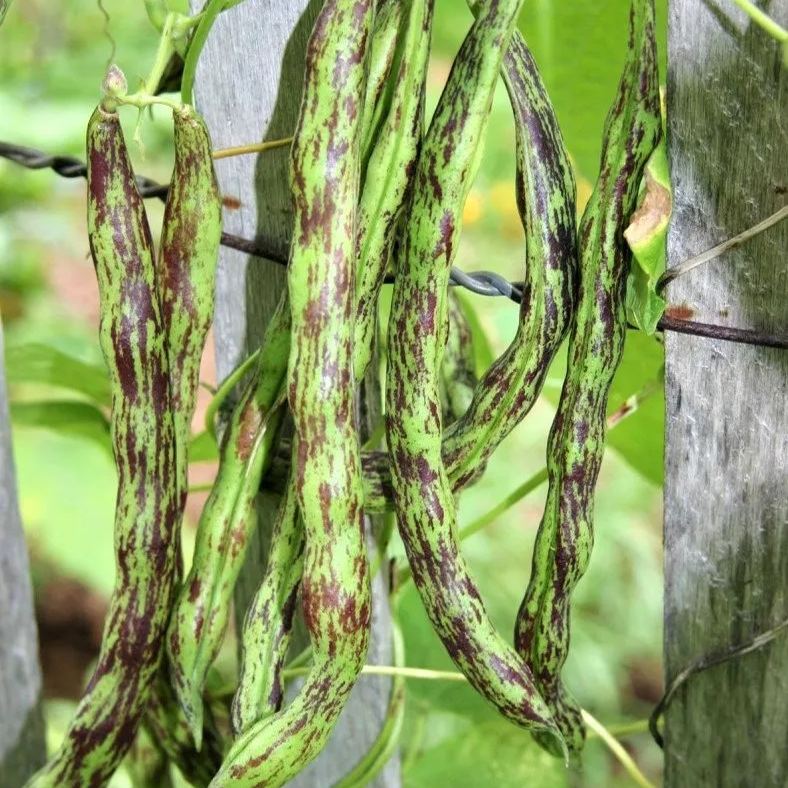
[(378, 193)]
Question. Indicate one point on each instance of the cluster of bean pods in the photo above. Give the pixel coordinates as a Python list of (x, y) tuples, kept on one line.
[(376, 190)]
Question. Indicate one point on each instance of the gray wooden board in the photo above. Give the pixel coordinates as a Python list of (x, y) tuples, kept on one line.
[(21, 723), (248, 87), (726, 463)]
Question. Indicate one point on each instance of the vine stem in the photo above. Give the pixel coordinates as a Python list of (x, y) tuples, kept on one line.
[(615, 747), (715, 251), (765, 22), (226, 386), (610, 741), (255, 147)]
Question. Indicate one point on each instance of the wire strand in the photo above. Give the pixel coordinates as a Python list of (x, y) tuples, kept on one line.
[(485, 283)]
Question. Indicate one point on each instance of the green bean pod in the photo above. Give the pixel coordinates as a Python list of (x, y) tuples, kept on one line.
[(186, 269), (382, 49), (458, 366), (385, 190), (146, 764), (202, 610), (132, 338), (267, 625), (546, 203), (423, 498), (325, 169), (576, 441), (166, 724), (389, 176)]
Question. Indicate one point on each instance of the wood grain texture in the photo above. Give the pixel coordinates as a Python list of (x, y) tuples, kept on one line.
[(248, 87), (21, 724), (726, 486)]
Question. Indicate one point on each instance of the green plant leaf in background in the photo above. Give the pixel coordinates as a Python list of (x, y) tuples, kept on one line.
[(647, 235), (640, 439), (69, 417), (203, 448), (492, 753), (47, 365), (4, 4)]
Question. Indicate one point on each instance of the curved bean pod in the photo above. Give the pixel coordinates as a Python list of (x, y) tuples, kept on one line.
[(165, 721), (132, 339), (201, 613), (546, 203), (576, 441), (186, 269), (335, 584), (389, 177), (267, 625), (424, 503), (385, 189), (382, 49)]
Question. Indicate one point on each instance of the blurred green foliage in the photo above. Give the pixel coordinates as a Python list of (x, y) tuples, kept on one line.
[(54, 56)]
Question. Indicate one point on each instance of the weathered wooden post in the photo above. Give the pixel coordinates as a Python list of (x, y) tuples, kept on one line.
[(21, 723), (726, 486), (248, 87)]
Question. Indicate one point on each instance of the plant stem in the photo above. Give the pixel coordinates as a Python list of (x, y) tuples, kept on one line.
[(224, 389), (255, 147), (621, 755), (765, 22), (594, 724), (716, 251)]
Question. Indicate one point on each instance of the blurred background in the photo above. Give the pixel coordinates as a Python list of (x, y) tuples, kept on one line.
[(54, 55)]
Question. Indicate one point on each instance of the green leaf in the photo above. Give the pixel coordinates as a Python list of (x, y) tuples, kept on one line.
[(640, 439), (47, 365), (492, 753), (67, 417), (646, 236), (203, 448)]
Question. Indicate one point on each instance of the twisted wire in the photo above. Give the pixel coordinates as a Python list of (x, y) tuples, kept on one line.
[(485, 283)]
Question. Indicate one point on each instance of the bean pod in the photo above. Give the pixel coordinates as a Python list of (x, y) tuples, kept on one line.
[(202, 609), (546, 202), (268, 622), (133, 341), (424, 503), (335, 592), (577, 437)]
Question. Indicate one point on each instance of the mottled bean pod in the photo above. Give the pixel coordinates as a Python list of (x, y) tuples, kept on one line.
[(546, 203), (424, 503), (269, 619), (335, 590), (133, 341), (576, 441), (186, 269), (201, 613), (385, 190)]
